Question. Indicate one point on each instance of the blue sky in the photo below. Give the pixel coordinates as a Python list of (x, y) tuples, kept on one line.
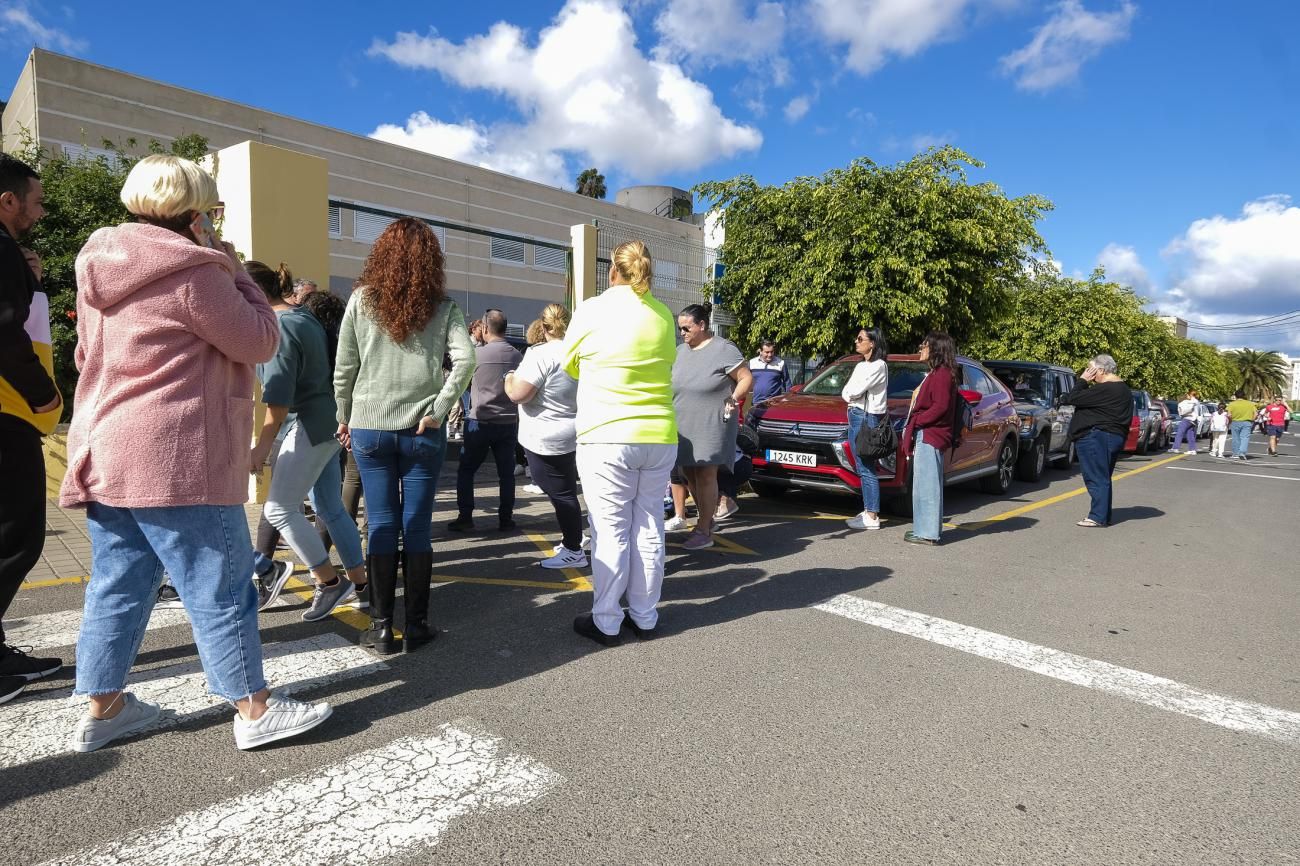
[(1166, 133)]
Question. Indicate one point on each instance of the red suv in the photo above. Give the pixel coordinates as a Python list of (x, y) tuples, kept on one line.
[(803, 434)]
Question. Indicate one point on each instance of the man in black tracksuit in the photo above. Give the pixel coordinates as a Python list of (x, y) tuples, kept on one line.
[(29, 408)]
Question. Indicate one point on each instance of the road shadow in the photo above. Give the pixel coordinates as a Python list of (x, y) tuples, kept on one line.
[(46, 775), (1134, 512)]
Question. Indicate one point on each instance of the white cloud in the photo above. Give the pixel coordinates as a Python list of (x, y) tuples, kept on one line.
[(926, 140), (1248, 265), (796, 108), (583, 89), (874, 31), (16, 18), (709, 32), (1123, 265), (1070, 38)]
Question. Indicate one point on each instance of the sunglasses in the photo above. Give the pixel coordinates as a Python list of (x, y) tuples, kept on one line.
[(684, 328)]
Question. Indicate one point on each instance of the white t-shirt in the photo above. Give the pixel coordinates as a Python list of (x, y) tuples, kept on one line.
[(868, 386), (546, 422), (1187, 409)]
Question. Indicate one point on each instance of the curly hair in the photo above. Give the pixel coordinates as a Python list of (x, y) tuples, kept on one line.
[(403, 278)]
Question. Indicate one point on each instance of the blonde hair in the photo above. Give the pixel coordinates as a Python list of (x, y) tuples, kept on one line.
[(535, 333), (556, 318), (632, 261), (164, 187)]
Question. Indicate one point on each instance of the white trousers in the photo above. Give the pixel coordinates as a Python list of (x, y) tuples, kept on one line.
[(1219, 441), (624, 489)]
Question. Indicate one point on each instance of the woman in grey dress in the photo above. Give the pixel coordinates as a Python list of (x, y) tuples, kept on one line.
[(710, 380)]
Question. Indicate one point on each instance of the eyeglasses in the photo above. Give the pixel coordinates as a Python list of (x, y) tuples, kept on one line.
[(862, 338), (217, 213), (684, 328)]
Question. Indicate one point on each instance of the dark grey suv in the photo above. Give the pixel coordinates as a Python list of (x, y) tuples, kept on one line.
[(1044, 422)]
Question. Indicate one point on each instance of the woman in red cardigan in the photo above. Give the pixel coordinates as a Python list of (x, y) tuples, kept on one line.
[(929, 435)]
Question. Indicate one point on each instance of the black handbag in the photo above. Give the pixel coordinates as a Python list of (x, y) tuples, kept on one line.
[(873, 443)]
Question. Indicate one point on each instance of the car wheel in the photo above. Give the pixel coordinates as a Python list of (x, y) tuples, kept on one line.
[(899, 506), (1143, 443), (1000, 482), (1031, 464), (766, 491)]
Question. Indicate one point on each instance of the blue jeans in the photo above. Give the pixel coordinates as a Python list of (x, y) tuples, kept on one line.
[(1187, 431), (1098, 452), (399, 475), (480, 440), (927, 490), (1240, 437), (207, 552), (866, 468)]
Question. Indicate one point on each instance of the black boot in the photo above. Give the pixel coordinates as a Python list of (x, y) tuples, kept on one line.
[(383, 590), (417, 571)]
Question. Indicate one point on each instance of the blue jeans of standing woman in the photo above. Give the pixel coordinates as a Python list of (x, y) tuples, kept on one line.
[(1098, 452), (866, 468), (207, 553), (1240, 437), (399, 474), (927, 489)]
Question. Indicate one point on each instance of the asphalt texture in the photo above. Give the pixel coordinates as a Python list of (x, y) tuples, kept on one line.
[(757, 729)]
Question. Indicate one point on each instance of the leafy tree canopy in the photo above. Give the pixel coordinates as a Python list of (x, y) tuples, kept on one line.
[(1260, 374), (590, 183), (909, 247)]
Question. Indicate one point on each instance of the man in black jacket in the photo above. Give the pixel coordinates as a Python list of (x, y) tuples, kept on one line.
[(29, 402)]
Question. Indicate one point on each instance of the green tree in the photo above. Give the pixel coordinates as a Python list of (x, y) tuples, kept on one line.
[(908, 247), (1259, 374), (81, 195), (590, 183)]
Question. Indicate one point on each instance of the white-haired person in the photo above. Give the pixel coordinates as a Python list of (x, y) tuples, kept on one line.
[(169, 328), (1103, 411), (620, 347)]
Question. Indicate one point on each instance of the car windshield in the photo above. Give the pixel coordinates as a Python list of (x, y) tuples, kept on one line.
[(1023, 384), (1172, 406), (904, 377)]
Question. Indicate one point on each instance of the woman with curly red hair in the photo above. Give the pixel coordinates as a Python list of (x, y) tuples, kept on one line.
[(393, 399)]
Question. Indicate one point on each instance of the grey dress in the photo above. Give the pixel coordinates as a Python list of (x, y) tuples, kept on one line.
[(700, 385)]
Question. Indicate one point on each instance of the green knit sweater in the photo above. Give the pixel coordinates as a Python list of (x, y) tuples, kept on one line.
[(383, 385)]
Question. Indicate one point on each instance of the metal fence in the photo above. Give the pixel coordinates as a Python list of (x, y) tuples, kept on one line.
[(682, 268)]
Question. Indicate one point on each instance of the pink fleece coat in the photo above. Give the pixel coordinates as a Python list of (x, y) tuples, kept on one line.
[(167, 336)]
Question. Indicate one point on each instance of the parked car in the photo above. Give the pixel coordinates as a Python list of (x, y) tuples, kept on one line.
[(1201, 420), (1044, 422), (1166, 425), (1142, 434), (803, 434)]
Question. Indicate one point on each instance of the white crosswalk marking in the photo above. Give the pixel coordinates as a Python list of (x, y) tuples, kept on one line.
[(1159, 692), (365, 809), (41, 725), (50, 630)]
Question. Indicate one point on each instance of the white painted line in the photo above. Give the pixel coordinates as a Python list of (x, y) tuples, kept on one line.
[(1237, 474), (1158, 692), (372, 807), (41, 725), (61, 629)]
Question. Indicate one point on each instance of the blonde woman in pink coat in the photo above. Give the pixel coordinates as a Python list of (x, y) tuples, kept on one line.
[(169, 327)]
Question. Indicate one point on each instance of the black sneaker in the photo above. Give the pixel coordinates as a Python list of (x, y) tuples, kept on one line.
[(10, 688), (461, 524), (641, 633), (270, 585), (168, 598), (586, 626), (15, 662), (506, 525)]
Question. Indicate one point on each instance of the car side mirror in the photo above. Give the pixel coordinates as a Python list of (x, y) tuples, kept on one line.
[(971, 397), (795, 389)]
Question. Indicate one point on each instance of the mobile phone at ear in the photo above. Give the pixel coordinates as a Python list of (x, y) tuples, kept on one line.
[(207, 232)]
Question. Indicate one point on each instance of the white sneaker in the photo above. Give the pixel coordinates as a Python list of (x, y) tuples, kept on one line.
[(92, 733), (586, 542), (861, 521), (675, 524), (533, 489), (1191, 452), (565, 558), (284, 718)]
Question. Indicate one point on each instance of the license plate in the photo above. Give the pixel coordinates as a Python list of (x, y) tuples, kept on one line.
[(791, 458)]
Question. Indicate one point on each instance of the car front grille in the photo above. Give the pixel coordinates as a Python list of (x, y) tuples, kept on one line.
[(805, 429)]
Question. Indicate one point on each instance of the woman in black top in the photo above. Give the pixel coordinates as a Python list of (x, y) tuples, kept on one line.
[(1103, 413)]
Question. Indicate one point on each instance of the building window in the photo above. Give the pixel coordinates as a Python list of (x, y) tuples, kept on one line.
[(548, 259), (336, 222), (79, 152), (442, 237), (507, 251), (370, 226)]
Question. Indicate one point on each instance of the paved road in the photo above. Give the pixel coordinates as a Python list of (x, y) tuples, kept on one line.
[(1030, 692)]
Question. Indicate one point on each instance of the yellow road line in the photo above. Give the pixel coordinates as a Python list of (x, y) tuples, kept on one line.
[(734, 547), (580, 583), (58, 581)]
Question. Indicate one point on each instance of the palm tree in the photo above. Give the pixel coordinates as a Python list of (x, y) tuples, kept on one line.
[(591, 183), (1263, 374)]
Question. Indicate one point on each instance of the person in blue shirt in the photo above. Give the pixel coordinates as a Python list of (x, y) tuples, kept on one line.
[(770, 376)]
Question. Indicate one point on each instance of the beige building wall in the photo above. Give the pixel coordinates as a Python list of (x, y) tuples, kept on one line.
[(73, 104)]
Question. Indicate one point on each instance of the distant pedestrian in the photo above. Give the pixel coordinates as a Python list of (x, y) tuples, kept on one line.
[(710, 381), (1219, 423), (866, 393), (30, 405), (1103, 413), (1189, 408), (393, 400), (302, 289), (492, 428), (1276, 413), (620, 348), (169, 326), (1242, 412), (771, 379), (930, 433)]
